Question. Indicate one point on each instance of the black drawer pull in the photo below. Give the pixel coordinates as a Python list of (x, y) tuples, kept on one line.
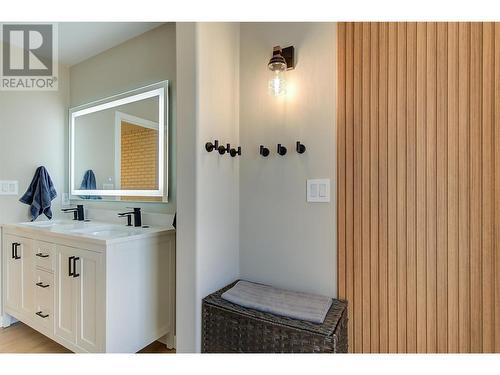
[(15, 246), (42, 255), (75, 274), (41, 285), (42, 315), (70, 262)]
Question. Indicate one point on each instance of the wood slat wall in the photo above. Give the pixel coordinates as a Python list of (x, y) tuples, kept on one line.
[(418, 127)]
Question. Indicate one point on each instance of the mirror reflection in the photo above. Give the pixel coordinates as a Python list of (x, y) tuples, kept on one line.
[(116, 151)]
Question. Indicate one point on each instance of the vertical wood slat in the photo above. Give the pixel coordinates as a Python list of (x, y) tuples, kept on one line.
[(463, 194), (374, 197), (357, 124), (497, 186), (475, 188), (452, 188), (441, 190), (411, 189), (496, 115), (431, 200), (392, 190), (421, 241), (487, 188), (349, 155), (365, 187), (419, 178), (383, 190), (401, 185)]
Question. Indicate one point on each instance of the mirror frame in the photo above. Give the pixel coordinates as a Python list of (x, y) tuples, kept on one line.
[(159, 90)]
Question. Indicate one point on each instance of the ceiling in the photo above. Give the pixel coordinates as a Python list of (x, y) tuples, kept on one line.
[(79, 41)]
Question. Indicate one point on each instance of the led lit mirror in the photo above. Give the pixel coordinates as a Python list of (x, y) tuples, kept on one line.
[(118, 147)]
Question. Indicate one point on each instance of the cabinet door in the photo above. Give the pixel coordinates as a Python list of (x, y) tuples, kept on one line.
[(28, 278), (13, 272), (66, 295), (90, 315)]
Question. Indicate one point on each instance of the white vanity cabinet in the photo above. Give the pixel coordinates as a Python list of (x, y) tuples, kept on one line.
[(112, 294)]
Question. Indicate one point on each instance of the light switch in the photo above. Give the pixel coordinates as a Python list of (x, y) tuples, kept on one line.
[(318, 190), (314, 190), (322, 190)]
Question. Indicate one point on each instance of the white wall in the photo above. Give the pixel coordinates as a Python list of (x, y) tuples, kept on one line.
[(143, 60), (186, 294), (217, 176), (33, 132), (207, 236), (285, 241)]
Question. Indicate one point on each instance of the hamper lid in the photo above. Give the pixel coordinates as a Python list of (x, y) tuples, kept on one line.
[(327, 328)]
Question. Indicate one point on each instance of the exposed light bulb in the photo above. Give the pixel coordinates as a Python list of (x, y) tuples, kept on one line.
[(277, 66), (277, 84)]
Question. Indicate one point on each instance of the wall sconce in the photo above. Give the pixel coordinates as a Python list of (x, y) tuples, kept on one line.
[(282, 60)]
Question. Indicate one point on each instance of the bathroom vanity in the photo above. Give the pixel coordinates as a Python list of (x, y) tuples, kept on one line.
[(91, 286)]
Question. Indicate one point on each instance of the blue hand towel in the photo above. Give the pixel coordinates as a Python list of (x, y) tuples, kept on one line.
[(40, 194), (89, 183)]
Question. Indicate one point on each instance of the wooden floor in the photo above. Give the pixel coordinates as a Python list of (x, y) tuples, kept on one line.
[(19, 338)]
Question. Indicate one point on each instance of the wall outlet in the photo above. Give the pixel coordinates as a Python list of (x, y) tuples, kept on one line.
[(65, 200), (9, 187)]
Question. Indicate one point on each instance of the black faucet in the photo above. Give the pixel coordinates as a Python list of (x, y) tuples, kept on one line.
[(137, 217), (78, 212)]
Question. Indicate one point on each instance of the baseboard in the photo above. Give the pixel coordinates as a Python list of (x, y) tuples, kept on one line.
[(169, 340)]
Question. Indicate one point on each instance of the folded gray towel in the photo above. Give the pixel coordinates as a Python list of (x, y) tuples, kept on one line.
[(302, 306)]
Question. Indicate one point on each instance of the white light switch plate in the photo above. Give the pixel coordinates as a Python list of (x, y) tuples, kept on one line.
[(9, 187), (318, 190)]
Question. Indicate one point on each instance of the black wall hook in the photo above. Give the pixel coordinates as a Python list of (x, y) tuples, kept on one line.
[(209, 146), (300, 148), (222, 150), (233, 152), (281, 149), (264, 151)]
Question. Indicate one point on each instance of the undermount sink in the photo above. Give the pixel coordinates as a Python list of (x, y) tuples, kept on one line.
[(46, 224), (91, 229), (109, 231)]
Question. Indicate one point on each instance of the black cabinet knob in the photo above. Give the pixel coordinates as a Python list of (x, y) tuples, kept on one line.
[(300, 148), (264, 151), (281, 149), (209, 146), (233, 152)]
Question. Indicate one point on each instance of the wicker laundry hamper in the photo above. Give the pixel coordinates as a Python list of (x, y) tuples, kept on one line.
[(231, 328)]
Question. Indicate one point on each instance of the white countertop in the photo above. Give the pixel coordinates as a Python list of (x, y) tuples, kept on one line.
[(92, 231)]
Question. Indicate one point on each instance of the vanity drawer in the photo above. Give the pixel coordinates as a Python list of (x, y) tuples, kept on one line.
[(44, 255), (44, 299)]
